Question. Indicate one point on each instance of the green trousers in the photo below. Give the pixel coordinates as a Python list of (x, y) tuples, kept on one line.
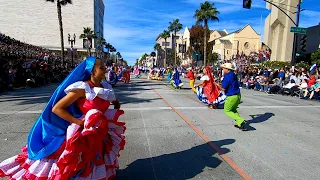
[(230, 108)]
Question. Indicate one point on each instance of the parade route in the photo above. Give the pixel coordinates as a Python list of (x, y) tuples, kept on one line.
[(171, 135)]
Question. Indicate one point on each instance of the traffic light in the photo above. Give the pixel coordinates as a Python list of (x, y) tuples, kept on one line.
[(247, 4), (303, 43)]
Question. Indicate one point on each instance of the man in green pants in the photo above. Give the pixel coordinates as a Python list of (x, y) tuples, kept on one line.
[(230, 86)]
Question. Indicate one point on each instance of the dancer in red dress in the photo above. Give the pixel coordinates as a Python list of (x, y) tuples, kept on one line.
[(89, 146)]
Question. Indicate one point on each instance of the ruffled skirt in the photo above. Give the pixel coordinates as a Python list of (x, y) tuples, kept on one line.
[(88, 153), (173, 83), (203, 98)]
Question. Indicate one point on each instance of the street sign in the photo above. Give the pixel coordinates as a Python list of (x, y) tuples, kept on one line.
[(298, 30)]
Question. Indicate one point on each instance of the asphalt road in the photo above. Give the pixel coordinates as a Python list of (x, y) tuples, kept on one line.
[(171, 135)]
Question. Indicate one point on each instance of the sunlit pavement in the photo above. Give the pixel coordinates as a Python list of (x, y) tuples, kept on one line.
[(171, 135)]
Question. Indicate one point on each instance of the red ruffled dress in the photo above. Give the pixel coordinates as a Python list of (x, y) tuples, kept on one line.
[(89, 152)]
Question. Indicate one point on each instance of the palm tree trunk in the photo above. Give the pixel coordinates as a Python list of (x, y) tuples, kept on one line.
[(205, 44), (165, 54), (61, 29), (175, 52)]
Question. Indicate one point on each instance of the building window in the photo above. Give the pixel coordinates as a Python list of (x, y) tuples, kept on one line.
[(227, 51), (246, 45), (165, 44)]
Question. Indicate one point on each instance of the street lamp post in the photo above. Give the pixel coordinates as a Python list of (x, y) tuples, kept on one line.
[(72, 41), (196, 47)]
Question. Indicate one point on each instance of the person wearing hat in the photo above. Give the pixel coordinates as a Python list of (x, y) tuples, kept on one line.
[(230, 86), (190, 76)]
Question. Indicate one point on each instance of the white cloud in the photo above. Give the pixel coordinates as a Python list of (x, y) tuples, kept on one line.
[(312, 14), (309, 18)]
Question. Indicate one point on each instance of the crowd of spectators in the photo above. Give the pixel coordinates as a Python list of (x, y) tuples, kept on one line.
[(24, 65), (285, 81)]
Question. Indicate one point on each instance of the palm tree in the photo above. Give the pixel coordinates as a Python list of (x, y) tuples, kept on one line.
[(165, 35), (101, 42), (157, 47), (118, 55), (175, 26), (59, 4), (88, 34), (113, 49), (153, 55), (206, 13), (108, 46)]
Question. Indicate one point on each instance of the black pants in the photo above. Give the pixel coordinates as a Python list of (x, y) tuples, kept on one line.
[(294, 89), (274, 89)]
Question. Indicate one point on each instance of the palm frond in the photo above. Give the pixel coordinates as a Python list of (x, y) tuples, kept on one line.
[(82, 36)]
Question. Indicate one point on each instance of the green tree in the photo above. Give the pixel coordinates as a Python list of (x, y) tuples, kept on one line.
[(112, 50), (59, 4), (88, 34), (197, 41), (315, 57), (175, 26), (157, 48), (118, 56), (206, 13), (165, 35), (108, 47), (137, 62), (153, 54), (101, 42)]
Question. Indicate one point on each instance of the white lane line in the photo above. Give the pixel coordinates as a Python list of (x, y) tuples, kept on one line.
[(11, 98), (276, 107), (148, 142), (168, 108), (146, 92)]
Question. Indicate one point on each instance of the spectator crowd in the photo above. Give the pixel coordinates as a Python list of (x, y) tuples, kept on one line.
[(24, 65), (285, 81)]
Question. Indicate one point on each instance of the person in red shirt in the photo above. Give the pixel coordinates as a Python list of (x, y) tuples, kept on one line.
[(311, 81), (190, 76)]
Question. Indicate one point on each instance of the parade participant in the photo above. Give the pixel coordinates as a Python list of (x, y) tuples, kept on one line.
[(175, 80), (76, 136), (136, 72), (120, 73), (230, 86), (112, 76), (209, 94), (190, 76), (126, 76), (169, 72), (151, 74), (160, 75)]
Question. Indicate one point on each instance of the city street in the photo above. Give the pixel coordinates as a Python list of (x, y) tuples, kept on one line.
[(171, 135)]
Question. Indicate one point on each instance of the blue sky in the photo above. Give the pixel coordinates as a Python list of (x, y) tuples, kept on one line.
[(132, 26)]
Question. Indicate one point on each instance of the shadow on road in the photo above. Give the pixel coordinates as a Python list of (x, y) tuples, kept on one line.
[(43, 94), (178, 166), (259, 118)]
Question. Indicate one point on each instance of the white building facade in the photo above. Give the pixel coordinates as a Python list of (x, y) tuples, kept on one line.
[(277, 35), (36, 22)]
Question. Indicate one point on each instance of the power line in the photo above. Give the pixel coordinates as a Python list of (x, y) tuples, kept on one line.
[(283, 4), (286, 10)]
